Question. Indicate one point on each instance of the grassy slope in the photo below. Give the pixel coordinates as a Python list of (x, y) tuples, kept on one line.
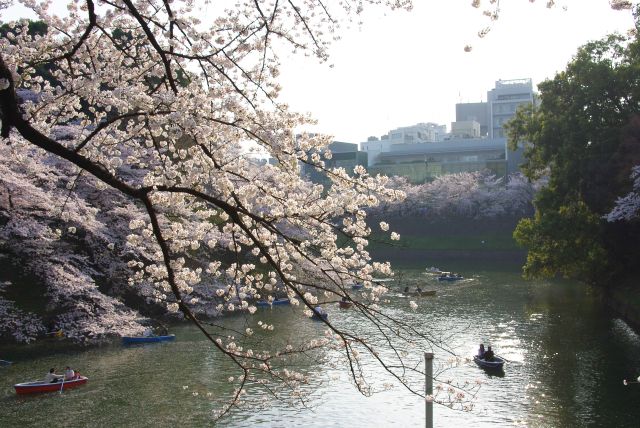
[(472, 242), (454, 235)]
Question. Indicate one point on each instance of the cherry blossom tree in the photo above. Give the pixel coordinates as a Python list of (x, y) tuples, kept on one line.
[(62, 230), (124, 128)]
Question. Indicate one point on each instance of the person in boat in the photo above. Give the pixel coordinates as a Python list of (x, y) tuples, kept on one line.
[(52, 377), (148, 332), (488, 355), (406, 290), (418, 290), (163, 330), (481, 351), (319, 312), (69, 374)]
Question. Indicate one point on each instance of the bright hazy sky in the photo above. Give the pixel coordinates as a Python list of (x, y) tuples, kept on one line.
[(400, 68), (409, 67)]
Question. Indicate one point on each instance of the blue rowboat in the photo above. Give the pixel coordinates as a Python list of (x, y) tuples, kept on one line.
[(127, 340), (496, 363), (319, 314), (450, 277), (5, 363), (276, 302), (357, 286)]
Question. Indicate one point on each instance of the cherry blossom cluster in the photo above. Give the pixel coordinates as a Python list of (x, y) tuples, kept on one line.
[(628, 206), (68, 242), (21, 326), (473, 195)]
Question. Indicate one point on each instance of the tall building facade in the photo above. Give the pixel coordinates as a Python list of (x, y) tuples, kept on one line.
[(504, 100), (501, 105)]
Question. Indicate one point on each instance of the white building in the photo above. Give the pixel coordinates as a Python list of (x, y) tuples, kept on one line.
[(416, 134), (420, 133)]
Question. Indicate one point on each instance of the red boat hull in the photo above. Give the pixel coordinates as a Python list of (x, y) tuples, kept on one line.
[(36, 387)]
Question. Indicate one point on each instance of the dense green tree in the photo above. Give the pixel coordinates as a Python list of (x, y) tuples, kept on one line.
[(583, 136)]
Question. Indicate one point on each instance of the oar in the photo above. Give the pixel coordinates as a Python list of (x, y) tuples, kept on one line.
[(505, 360), (62, 384)]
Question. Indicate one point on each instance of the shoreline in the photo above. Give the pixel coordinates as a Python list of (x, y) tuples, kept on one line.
[(625, 304)]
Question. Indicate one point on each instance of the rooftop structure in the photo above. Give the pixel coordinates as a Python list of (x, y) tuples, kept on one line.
[(465, 129), (420, 133), (415, 134), (478, 112)]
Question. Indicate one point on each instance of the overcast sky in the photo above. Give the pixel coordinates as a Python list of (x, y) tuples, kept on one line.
[(401, 68)]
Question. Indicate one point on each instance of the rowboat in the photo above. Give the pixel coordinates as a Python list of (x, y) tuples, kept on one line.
[(495, 364), (276, 302), (5, 363), (420, 293), (345, 305), (319, 314), (127, 340), (357, 286), (450, 277), (40, 386)]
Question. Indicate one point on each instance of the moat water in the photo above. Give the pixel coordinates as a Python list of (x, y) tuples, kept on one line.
[(567, 358)]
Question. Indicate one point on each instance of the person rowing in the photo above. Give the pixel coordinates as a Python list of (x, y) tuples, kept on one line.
[(488, 356), (52, 377)]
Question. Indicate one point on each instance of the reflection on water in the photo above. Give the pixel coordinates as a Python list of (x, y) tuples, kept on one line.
[(566, 361)]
